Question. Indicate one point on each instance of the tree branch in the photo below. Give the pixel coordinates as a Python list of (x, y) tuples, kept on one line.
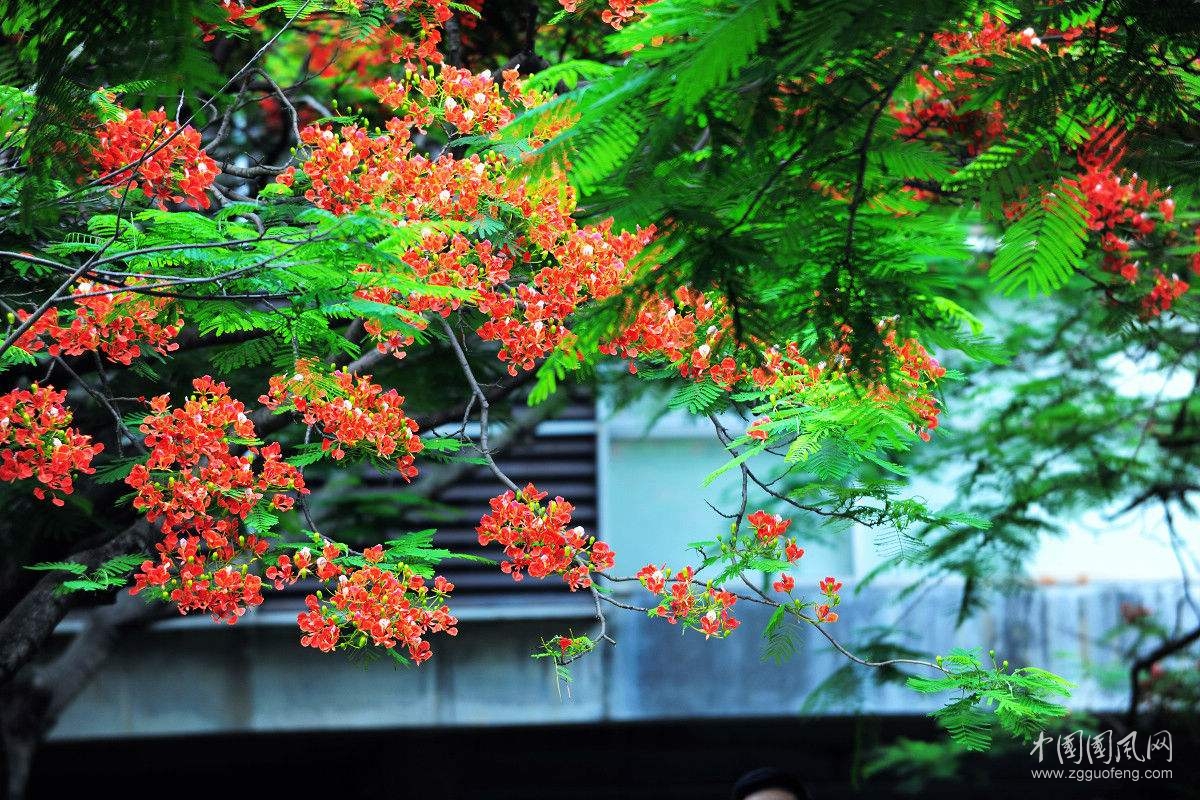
[(31, 621)]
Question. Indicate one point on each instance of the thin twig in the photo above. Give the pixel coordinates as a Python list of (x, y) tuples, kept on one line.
[(476, 390)]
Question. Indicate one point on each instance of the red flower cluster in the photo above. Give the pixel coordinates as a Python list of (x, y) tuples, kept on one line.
[(429, 15), (192, 483), (1164, 294), (350, 168), (469, 103), (618, 13), (151, 153), (118, 325), (908, 373), (320, 631), (1113, 198), (196, 579), (768, 527), (713, 613), (566, 264), (685, 331), (919, 374), (585, 263), (192, 579), (236, 11), (1122, 207), (530, 320), (942, 94), (769, 530), (37, 441), (536, 539), (336, 51), (351, 412), (1195, 260), (830, 588), (439, 261), (707, 611), (688, 331), (786, 364), (376, 605)]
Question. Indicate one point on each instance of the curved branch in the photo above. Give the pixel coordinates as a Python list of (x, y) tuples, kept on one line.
[(32, 620), (482, 399)]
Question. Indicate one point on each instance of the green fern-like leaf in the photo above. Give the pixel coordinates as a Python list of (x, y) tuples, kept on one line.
[(700, 398), (968, 726), (1042, 250), (726, 36), (781, 636), (834, 460), (120, 566), (117, 470), (62, 566), (246, 354)]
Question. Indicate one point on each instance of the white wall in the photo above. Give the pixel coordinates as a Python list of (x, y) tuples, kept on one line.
[(653, 498), (652, 504)]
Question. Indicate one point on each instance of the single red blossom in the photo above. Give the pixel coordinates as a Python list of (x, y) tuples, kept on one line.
[(652, 577), (785, 583), (282, 573), (830, 586), (792, 552), (824, 614), (602, 557), (756, 432)]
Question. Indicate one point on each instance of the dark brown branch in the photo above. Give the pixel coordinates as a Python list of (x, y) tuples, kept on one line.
[(256, 171), (1143, 664), (864, 148), (453, 42), (31, 621), (32, 703), (484, 407)]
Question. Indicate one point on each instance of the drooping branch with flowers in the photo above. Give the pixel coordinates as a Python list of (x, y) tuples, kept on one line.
[(765, 219)]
